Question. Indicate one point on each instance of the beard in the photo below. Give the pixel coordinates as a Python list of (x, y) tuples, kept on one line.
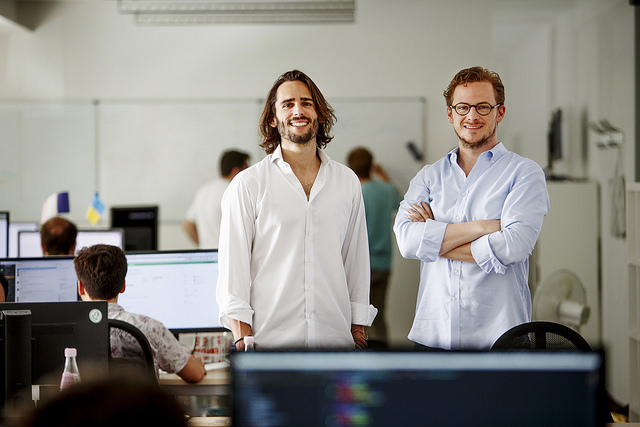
[(285, 132), (479, 144)]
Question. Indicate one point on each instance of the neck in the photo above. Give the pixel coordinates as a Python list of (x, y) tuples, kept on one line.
[(300, 156), (468, 155)]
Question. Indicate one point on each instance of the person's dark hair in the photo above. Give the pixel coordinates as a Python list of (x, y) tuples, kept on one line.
[(474, 75), (58, 236), (360, 160), (326, 115), (232, 159), (106, 403), (102, 270)]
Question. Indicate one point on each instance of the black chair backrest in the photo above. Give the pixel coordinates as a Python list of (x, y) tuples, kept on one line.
[(128, 366), (541, 335)]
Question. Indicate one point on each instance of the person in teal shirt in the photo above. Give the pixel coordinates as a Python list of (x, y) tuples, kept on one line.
[(381, 200)]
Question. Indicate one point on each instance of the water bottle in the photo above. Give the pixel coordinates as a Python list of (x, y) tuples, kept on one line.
[(70, 375)]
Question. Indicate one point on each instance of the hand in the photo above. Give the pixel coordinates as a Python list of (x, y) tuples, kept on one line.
[(420, 212), (359, 337)]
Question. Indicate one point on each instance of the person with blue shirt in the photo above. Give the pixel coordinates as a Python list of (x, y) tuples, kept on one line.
[(472, 218), (381, 200)]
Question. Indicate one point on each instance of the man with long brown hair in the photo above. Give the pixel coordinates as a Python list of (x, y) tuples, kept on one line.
[(472, 218), (294, 259)]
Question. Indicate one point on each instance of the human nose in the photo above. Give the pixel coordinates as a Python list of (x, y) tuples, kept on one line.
[(298, 110), (473, 112)]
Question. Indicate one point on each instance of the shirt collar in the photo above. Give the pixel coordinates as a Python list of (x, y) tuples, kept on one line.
[(277, 155), (495, 153)]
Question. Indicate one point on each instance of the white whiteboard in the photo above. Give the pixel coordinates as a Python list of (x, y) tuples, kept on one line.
[(384, 126), (159, 153), (47, 147)]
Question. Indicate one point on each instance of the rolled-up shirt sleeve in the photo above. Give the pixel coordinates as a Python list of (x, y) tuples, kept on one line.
[(355, 254), (233, 292), (418, 240), (521, 221)]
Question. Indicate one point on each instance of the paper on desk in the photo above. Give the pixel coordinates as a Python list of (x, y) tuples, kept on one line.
[(216, 365)]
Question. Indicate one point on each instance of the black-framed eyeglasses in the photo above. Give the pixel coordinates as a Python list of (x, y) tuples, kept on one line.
[(484, 108)]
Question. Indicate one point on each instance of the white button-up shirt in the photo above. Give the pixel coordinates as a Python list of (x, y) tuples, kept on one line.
[(296, 270), (463, 305)]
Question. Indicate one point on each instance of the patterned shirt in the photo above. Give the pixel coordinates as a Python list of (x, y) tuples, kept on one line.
[(168, 354)]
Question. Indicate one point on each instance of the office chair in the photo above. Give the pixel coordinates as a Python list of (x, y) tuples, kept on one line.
[(143, 368), (541, 335)]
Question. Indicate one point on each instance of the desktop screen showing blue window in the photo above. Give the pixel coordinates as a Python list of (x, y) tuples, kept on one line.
[(48, 279), (178, 288)]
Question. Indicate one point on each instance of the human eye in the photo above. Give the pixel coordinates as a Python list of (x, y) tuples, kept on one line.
[(462, 108), (484, 108)]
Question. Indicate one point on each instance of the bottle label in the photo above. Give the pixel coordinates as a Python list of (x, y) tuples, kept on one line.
[(69, 378)]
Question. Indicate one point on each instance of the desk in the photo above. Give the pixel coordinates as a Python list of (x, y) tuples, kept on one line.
[(210, 396), (216, 382)]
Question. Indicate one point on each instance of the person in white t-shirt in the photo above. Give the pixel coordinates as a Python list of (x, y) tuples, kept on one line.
[(202, 221), (294, 254)]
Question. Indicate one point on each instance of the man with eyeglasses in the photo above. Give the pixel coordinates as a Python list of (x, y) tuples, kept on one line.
[(472, 218)]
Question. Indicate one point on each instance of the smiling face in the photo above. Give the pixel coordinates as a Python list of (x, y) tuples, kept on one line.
[(296, 117), (475, 131)]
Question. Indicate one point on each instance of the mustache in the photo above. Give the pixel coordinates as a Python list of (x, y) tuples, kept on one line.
[(300, 118)]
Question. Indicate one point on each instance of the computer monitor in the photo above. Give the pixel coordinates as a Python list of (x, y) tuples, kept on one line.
[(178, 288), (140, 224), (14, 229), (4, 234), (33, 337), (46, 279), (418, 388), (29, 242)]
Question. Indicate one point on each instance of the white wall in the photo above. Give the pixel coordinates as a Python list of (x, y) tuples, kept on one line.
[(578, 57)]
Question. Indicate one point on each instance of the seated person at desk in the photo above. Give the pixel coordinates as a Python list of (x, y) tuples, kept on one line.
[(58, 237), (101, 271)]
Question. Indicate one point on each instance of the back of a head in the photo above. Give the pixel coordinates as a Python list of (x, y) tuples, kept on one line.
[(58, 236), (102, 270), (119, 402), (232, 159), (360, 160)]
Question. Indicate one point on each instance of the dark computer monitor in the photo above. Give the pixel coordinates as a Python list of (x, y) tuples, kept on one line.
[(14, 229), (4, 234), (29, 242), (33, 337), (46, 279), (178, 288), (418, 388), (140, 225)]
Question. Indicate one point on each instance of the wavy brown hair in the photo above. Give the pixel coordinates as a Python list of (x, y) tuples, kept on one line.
[(326, 115), (474, 75)]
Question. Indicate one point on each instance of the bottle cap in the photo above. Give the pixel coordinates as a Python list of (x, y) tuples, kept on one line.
[(70, 352)]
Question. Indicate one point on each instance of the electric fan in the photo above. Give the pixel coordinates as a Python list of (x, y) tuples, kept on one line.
[(561, 298)]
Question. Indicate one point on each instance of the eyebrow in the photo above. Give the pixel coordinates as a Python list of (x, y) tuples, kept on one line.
[(293, 99)]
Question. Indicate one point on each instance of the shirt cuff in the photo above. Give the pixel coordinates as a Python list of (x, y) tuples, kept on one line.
[(429, 248), (362, 314), (481, 251)]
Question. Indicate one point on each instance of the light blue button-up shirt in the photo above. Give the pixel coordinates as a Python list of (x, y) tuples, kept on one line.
[(464, 305)]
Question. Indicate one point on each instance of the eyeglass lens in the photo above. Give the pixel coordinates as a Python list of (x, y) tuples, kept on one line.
[(483, 108)]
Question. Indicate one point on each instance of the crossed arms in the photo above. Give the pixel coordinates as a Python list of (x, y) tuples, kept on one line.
[(456, 244)]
